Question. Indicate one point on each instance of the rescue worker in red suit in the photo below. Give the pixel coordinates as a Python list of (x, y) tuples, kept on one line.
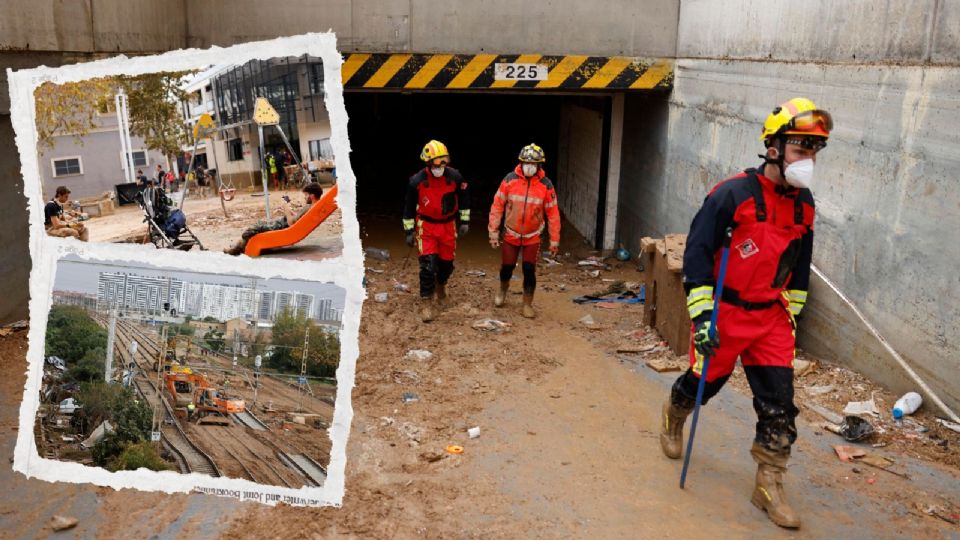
[(771, 211), (524, 200), (436, 197)]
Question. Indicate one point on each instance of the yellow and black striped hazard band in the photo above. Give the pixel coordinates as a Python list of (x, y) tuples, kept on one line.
[(476, 71)]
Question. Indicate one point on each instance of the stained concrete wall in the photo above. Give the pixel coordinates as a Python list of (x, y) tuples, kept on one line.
[(886, 191), (578, 166)]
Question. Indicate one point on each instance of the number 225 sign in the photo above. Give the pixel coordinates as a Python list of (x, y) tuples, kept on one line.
[(520, 72)]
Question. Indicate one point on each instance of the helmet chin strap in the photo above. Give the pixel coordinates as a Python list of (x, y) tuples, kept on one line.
[(779, 144)]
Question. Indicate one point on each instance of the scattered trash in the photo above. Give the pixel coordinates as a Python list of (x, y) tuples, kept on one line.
[(380, 297), (819, 390), (377, 253), (801, 367), (587, 320), (661, 365), (61, 523), (419, 354), (623, 255), (375, 270), (473, 432), (952, 426), (402, 287), (594, 273), (855, 428), (862, 407), (551, 262), (69, 405), (431, 457), (826, 413), (906, 405), (877, 461), (492, 325), (475, 273), (455, 449), (848, 453), (626, 297), (401, 377), (410, 397), (871, 481)]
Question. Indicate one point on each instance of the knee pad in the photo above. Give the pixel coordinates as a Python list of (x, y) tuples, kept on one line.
[(444, 269), (529, 276)]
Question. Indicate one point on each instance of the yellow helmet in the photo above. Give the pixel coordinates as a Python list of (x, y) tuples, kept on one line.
[(433, 150), (798, 116), (532, 153)]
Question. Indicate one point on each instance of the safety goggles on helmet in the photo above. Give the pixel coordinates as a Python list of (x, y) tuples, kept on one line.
[(815, 122), (808, 143)]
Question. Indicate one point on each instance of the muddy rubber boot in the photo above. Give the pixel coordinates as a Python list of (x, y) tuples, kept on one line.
[(768, 493), (441, 295), (528, 311), (501, 297), (672, 419), (426, 309)]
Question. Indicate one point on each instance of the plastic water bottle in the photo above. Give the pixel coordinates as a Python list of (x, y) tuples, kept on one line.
[(908, 404)]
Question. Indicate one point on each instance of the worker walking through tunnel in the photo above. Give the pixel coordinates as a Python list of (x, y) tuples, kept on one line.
[(523, 201), (770, 210), (437, 196)]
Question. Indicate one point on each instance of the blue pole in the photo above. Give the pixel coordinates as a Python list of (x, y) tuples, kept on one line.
[(706, 359)]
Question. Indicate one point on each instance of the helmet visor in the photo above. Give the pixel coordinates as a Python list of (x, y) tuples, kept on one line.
[(813, 122)]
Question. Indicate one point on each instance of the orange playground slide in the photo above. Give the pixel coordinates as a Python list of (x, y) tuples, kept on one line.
[(291, 235)]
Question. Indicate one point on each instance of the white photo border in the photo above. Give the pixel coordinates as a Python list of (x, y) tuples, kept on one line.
[(45, 251)]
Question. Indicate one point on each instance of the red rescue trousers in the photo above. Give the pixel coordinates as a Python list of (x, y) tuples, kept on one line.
[(762, 337), (437, 239)]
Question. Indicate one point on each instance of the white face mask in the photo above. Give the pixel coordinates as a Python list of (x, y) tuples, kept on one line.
[(436, 171), (799, 174), (529, 169)]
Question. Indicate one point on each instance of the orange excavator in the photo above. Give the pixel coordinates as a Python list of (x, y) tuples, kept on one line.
[(211, 405)]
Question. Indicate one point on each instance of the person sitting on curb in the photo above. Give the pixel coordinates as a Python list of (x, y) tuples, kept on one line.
[(54, 218), (312, 192)]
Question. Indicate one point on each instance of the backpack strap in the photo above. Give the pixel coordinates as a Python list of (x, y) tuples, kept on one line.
[(798, 211), (756, 191)]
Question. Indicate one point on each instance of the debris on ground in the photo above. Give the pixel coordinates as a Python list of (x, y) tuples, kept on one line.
[(475, 273), (862, 407), (410, 397), (587, 320), (492, 325), (377, 253), (848, 453), (661, 365), (419, 355), (380, 297), (952, 426), (473, 432), (819, 390), (62, 523), (855, 428), (455, 449), (402, 287)]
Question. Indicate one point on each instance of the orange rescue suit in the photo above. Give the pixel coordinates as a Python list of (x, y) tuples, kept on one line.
[(522, 204)]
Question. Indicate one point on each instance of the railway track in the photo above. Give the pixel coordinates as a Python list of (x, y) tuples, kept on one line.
[(189, 456)]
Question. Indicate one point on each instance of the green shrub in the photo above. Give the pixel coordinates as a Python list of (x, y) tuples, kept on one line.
[(137, 455)]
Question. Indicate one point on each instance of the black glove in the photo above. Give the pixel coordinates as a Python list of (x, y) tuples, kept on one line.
[(464, 229), (701, 336), (410, 239)]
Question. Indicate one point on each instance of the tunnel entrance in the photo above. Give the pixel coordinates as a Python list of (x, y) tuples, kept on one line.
[(484, 132)]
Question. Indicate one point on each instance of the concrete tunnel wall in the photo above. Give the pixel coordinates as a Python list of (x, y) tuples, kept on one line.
[(887, 198)]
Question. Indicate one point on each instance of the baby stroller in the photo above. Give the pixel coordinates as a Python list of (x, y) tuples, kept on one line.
[(166, 225)]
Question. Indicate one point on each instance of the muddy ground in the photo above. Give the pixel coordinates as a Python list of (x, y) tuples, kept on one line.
[(568, 435)]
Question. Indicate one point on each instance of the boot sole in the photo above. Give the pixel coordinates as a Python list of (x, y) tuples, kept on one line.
[(759, 501), (663, 446)]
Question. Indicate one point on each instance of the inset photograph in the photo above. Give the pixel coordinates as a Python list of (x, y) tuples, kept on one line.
[(170, 370), (232, 157)]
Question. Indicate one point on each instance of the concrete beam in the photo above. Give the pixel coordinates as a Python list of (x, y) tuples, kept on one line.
[(613, 172), (834, 31)]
